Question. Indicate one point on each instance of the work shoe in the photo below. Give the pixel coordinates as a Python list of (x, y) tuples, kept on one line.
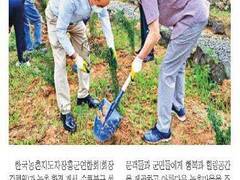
[(41, 48), (25, 62), (154, 136), (92, 103), (21, 64), (181, 115), (69, 122)]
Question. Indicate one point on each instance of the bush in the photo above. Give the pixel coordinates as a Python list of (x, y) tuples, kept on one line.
[(223, 136), (129, 26)]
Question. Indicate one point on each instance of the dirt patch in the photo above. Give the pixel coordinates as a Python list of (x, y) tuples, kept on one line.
[(123, 134), (196, 129), (46, 91), (222, 98), (54, 136), (98, 70), (45, 33), (226, 90), (124, 65), (38, 108), (223, 95)]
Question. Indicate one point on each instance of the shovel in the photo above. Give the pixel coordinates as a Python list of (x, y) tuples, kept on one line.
[(105, 127)]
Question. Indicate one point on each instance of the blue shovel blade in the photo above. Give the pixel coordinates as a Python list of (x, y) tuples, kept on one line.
[(104, 131)]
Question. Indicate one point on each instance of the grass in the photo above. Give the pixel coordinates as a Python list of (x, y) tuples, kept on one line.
[(37, 112), (199, 84), (223, 15)]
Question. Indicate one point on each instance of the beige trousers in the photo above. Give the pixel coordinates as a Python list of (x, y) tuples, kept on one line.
[(78, 37)]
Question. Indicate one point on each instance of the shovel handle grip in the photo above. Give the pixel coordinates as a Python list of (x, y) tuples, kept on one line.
[(127, 82)]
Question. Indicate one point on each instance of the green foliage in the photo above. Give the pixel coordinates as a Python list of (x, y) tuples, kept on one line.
[(129, 26), (45, 67), (112, 61), (92, 25), (43, 5), (212, 56), (108, 55), (223, 136), (220, 14), (199, 82), (12, 42)]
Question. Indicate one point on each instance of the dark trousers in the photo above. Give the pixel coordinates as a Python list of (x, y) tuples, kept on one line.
[(144, 27), (16, 19)]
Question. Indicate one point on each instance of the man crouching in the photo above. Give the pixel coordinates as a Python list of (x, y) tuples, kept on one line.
[(67, 36)]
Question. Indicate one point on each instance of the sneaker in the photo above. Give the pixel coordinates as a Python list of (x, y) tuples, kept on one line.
[(41, 48), (181, 115), (25, 62), (92, 103), (154, 136), (69, 122)]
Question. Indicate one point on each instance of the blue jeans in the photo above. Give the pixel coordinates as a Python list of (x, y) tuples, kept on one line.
[(32, 16)]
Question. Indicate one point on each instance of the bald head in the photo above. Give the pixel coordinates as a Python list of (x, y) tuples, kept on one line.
[(100, 3)]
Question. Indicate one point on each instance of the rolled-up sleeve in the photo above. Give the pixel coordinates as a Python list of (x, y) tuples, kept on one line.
[(151, 11), (106, 26), (66, 10)]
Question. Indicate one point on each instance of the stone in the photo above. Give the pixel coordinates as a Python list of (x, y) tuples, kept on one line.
[(218, 27), (221, 4), (218, 73), (165, 36), (218, 69)]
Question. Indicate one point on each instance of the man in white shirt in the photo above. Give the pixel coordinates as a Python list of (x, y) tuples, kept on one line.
[(67, 36)]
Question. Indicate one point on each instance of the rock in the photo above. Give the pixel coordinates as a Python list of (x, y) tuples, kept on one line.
[(211, 49), (221, 4), (207, 52), (203, 56), (130, 10), (165, 36), (218, 27), (218, 73), (210, 21), (221, 46)]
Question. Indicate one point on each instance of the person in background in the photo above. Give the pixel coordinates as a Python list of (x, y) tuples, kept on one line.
[(16, 19), (188, 18), (67, 36), (144, 33), (32, 16)]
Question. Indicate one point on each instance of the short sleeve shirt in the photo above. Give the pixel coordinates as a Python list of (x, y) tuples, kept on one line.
[(179, 14)]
